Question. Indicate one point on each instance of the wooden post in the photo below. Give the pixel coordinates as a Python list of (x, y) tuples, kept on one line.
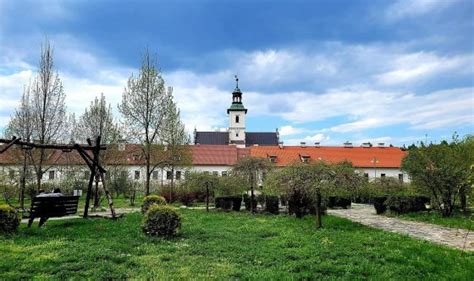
[(107, 194), (93, 168)]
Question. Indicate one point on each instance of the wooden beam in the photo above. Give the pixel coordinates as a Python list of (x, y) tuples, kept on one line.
[(9, 144), (52, 146)]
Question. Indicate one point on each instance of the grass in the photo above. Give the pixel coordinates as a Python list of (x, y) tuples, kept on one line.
[(457, 220), (223, 246)]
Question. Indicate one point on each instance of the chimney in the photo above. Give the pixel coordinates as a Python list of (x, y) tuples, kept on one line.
[(348, 144), (317, 144), (280, 144), (303, 144), (121, 144), (366, 144)]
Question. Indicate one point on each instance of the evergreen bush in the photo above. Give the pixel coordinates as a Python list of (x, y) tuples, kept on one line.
[(150, 200), (161, 221), (9, 219)]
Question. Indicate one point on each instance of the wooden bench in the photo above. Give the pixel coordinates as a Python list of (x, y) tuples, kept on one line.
[(52, 207)]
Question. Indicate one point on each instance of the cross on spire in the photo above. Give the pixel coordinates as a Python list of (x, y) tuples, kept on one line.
[(236, 81)]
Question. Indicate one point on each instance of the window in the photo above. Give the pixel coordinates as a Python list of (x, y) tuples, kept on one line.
[(237, 119), (224, 173), (124, 174), (305, 159), (178, 175), (366, 175), (169, 175), (206, 172), (272, 158), (215, 173), (382, 175), (155, 175), (236, 134), (51, 175), (400, 177), (137, 175)]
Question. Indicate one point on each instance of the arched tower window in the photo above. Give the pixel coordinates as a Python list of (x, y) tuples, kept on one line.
[(237, 119)]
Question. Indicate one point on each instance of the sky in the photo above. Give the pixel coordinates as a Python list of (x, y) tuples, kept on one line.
[(397, 72)]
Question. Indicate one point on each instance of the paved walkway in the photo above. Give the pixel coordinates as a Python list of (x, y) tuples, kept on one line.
[(365, 214)]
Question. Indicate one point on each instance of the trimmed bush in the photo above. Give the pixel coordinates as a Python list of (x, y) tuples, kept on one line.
[(379, 204), (228, 202), (161, 221), (247, 202), (150, 200), (9, 220), (337, 201), (406, 204), (271, 204)]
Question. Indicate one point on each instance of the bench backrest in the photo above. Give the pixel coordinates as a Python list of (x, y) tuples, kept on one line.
[(54, 206)]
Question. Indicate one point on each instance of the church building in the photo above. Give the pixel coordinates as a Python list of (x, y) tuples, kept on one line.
[(236, 133)]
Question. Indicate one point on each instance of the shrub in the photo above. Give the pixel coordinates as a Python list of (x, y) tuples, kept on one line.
[(161, 221), (9, 220), (406, 204), (247, 202), (271, 204), (229, 202), (150, 200), (169, 193), (337, 201), (379, 204)]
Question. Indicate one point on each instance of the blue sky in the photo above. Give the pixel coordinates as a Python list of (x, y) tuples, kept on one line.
[(329, 71)]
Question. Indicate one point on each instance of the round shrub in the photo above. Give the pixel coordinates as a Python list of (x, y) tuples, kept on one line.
[(9, 220), (150, 200), (161, 221)]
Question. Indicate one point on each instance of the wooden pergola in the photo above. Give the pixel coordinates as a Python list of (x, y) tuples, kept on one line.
[(91, 161)]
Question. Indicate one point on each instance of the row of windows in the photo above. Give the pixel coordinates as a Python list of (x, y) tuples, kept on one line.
[(383, 175)]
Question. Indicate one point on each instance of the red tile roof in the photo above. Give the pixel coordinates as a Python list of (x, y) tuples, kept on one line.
[(228, 155), (387, 157), (214, 154)]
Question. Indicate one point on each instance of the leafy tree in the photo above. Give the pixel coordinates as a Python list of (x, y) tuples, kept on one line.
[(252, 170), (314, 182), (202, 182), (442, 170), (144, 110)]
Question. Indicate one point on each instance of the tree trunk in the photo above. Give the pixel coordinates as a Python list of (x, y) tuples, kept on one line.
[(252, 195), (96, 194), (463, 199), (172, 184), (318, 210), (23, 183), (147, 179), (207, 197)]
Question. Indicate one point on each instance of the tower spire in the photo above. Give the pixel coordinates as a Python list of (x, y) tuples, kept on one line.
[(236, 81)]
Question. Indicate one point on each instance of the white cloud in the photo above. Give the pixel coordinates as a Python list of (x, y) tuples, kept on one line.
[(418, 66), (413, 8), (290, 130)]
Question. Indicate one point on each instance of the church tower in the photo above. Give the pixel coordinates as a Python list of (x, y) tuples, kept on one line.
[(237, 113)]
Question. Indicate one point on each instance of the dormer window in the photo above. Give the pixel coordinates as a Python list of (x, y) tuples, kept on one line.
[(305, 158), (272, 158)]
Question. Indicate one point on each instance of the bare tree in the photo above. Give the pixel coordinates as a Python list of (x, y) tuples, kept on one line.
[(97, 120), (175, 138), (48, 110), (21, 125), (144, 111)]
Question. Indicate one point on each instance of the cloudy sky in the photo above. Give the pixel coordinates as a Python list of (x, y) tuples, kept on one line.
[(329, 71)]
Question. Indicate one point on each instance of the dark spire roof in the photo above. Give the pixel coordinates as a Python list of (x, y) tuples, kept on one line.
[(236, 99)]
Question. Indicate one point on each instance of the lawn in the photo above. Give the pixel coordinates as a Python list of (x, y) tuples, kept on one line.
[(220, 245), (457, 220)]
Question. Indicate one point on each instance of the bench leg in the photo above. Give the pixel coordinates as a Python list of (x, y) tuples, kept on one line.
[(30, 221), (42, 221)]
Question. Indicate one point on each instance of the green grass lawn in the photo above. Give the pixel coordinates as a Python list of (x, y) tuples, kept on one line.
[(457, 220), (222, 246)]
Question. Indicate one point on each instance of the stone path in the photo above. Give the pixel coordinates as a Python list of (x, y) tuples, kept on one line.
[(365, 214), (107, 214)]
